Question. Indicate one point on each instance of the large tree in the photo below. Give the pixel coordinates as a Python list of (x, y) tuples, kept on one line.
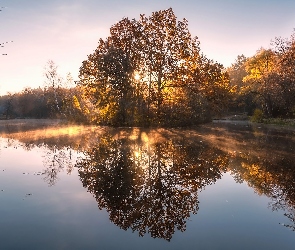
[(149, 71)]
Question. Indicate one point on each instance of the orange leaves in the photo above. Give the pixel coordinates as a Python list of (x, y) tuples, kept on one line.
[(159, 49), (260, 65)]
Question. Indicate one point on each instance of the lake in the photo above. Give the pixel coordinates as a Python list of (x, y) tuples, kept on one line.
[(224, 185)]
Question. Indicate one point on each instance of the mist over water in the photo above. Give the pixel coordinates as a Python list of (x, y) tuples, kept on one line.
[(217, 186)]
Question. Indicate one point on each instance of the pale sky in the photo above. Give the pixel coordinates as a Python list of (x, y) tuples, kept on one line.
[(66, 31)]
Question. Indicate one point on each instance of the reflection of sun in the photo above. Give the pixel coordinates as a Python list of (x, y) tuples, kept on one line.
[(144, 137)]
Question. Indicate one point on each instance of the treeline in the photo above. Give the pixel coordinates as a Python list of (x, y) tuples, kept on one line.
[(40, 103), (151, 72), (266, 81), (57, 99)]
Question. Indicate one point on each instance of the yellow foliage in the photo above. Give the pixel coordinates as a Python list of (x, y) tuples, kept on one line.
[(76, 103), (260, 65)]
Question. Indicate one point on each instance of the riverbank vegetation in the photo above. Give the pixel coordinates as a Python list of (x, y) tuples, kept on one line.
[(266, 80), (151, 72)]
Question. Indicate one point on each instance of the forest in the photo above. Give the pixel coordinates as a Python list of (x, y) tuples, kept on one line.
[(152, 72)]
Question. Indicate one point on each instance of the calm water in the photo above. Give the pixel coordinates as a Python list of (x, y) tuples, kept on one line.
[(218, 186)]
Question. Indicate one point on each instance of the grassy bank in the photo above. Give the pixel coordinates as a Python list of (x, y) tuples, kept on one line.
[(279, 121)]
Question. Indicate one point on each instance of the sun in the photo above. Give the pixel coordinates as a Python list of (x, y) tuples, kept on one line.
[(136, 76)]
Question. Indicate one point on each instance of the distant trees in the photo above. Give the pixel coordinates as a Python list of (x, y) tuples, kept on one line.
[(37, 103), (267, 79), (151, 72), (29, 103), (7, 106), (262, 78), (242, 100), (55, 100)]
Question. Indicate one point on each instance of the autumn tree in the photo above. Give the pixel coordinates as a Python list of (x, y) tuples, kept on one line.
[(237, 71), (266, 80), (285, 70), (262, 78), (271, 77), (171, 53), (243, 97), (117, 71), (149, 71), (72, 105), (215, 86)]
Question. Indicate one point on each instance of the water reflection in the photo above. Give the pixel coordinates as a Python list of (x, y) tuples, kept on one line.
[(274, 177), (150, 188), (56, 160), (149, 180)]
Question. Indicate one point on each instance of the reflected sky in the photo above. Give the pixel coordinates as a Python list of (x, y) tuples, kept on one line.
[(218, 186)]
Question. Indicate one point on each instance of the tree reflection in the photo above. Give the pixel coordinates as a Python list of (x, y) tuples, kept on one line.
[(273, 177), (148, 179), (56, 160), (149, 188)]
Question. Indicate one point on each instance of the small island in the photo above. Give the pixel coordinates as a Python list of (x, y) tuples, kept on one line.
[(151, 72)]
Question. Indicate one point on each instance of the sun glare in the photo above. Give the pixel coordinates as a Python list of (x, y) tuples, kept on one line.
[(136, 76), (136, 154)]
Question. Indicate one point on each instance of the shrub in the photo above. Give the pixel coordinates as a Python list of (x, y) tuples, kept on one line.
[(257, 116)]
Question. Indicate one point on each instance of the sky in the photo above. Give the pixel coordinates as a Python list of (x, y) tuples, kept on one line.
[(66, 31)]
